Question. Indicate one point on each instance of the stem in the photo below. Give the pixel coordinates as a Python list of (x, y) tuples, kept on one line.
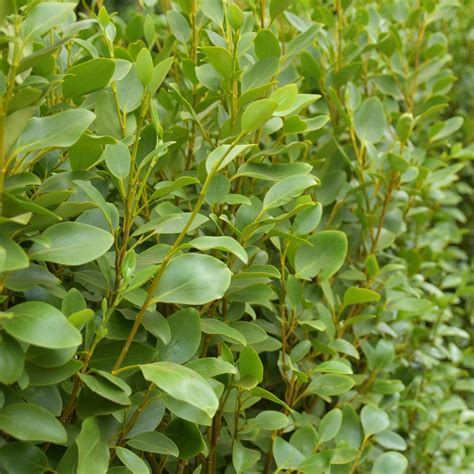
[(130, 201), (357, 459), (386, 201), (169, 255), (181, 466)]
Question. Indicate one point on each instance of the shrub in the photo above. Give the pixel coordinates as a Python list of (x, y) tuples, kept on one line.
[(231, 239)]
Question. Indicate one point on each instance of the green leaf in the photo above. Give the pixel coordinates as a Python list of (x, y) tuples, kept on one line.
[(267, 45), (392, 462), (374, 420), (185, 337), (87, 77), (57, 131), (369, 120), (107, 386), (12, 256), (224, 243), (328, 385), (210, 367), (154, 442), (354, 295), (144, 66), (391, 440), (250, 369), (334, 367), (23, 458), (41, 324), (178, 382), (285, 96), (243, 458), (221, 156), (15, 123), (265, 394), (324, 258), (179, 26), (447, 128), (29, 422), (220, 59), (286, 456), (257, 114), (132, 461), (92, 449), (69, 243), (271, 420), (187, 437), (286, 189), (171, 224), (215, 326), (273, 172), (330, 425), (317, 463), (117, 159), (160, 71), (12, 360), (351, 431), (193, 279), (43, 376), (44, 16), (213, 9)]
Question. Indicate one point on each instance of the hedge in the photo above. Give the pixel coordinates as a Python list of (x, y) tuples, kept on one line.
[(234, 237)]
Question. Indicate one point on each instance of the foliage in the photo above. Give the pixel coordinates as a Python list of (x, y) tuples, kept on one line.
[(231, 238)]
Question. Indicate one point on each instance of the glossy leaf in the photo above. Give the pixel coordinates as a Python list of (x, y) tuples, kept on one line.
[(42, 325), (92, 449), (193, 279), (178, 381), (29, 422), (68, 243)]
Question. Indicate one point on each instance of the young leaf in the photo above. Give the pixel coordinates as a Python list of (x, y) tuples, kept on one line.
[(250, 369), (144, 66), (220, 59), (356, 295), (257, 114)]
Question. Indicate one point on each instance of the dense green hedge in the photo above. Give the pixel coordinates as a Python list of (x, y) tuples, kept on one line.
[(233, 237)]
